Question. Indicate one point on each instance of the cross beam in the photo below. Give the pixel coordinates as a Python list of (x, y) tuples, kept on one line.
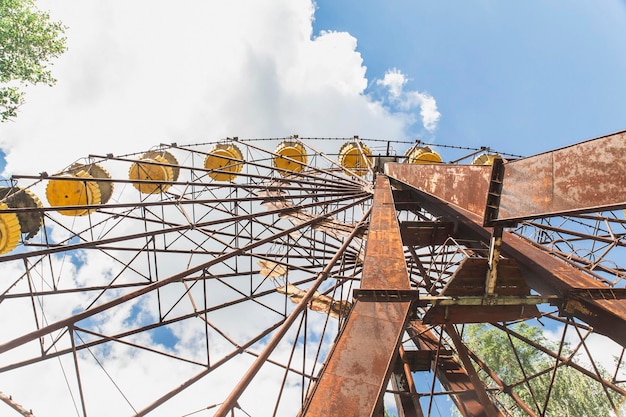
[(544, 273), (586, 177), (358, 368)]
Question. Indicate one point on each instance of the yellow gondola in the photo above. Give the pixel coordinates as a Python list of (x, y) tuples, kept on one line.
[(355, 157), (290, 157), (63, 191), (224, 161), (30, 221), (171, 159), (422, 155), (97, 171), (9, 230), (485, 159), (155, 168)]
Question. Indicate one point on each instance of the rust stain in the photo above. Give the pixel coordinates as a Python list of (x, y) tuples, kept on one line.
[(583, 177), (589, 176), (359, 366), (464, 186), (576, 307)]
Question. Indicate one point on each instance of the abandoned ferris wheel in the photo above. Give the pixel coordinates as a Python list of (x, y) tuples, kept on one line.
[(310, 276)]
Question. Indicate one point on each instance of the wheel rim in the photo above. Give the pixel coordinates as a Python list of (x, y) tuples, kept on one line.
[(195, 279)]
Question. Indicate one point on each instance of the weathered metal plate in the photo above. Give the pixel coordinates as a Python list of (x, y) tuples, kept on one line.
[(357, 371), (606, 316), (451, 374), (420, 360), (462, 314), (546, 274), (464, 186), (589, 176), (469, 280), (422, 234)]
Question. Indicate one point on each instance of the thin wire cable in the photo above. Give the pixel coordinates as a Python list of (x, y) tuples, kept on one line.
[(108, 375)]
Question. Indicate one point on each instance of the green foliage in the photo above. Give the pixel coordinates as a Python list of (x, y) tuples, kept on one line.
[(28, 41), (572, 394)]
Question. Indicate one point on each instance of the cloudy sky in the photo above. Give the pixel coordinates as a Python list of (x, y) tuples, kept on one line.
[(528, 76), (521, 77)]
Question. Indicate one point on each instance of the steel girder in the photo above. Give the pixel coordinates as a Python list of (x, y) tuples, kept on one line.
[(480, 201)]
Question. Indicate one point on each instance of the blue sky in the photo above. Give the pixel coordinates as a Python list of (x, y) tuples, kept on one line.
[(522, 76), (519, 76)]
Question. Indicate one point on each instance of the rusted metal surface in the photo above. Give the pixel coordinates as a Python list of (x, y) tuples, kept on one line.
[(598, 293), (607, 317), (544, 273), (462, 353), (452, 375), (587, 176), (469, 280), (232, 400), (464, 186), (408, 402), (61, 324), (388, 296), (357, 371), (494, 260), (425, 233), (494, 194), (8, 400)]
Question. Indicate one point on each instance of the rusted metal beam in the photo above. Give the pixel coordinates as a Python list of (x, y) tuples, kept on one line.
[(562, 359), (544, 273), (465, 186), (232, 400), (7, 399), (181, 228), (586, 177), (453, 376), (503, 386), (388, 296), (357, 371), (509, 300), (477, 301), (425, 233), (598, 293), (407, 400), (63, 323), (462, 352)]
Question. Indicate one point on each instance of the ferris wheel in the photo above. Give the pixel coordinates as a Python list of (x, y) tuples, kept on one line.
[(312, 277)]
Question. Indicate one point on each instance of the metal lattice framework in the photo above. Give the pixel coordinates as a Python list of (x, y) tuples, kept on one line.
[(313, 277)]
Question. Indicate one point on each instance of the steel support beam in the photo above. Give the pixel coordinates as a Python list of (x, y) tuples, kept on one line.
[(464, 186), (544, 273), (357, 371), (63, 323), (407, 400), (469, 393), (462, 352), (586, 177)]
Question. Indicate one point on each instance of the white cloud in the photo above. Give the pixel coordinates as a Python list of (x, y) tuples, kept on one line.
[(142, 73), (604, 351), (394, 80)]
